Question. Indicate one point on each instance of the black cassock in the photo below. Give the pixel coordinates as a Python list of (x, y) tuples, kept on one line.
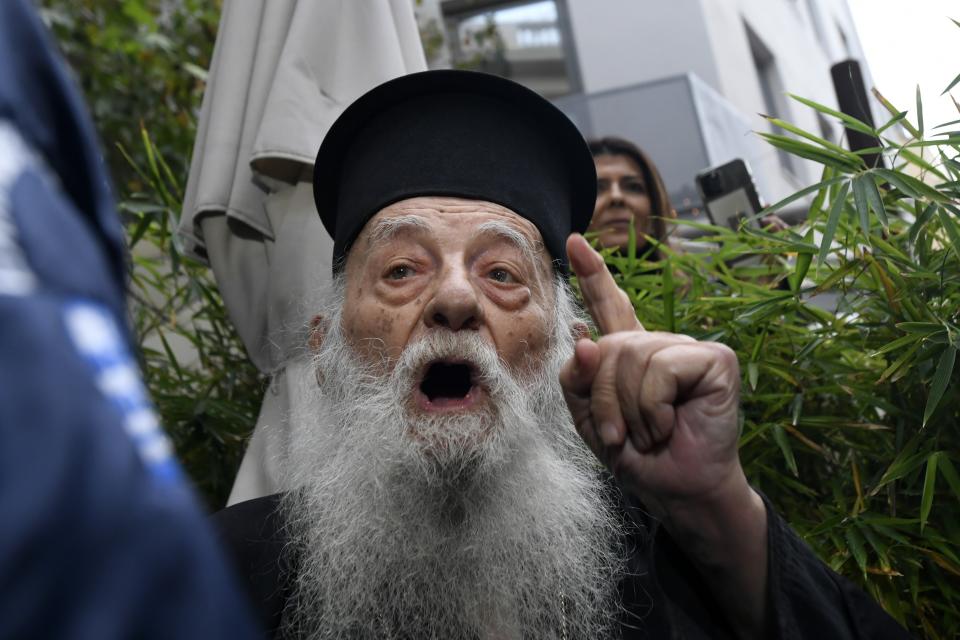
[(662, 594)]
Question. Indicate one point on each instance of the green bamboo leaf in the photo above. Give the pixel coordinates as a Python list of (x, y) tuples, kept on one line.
[(920, 162), (753, 373), (807, 349), (900, 467), (861, 204), (952, 230), (782, 203), (669, 302), (947, 124), (896, 344), (855, 542), (910, 185), (949, 473), (140, 229), (780, 437), (899, 362), (832, 220), (929, 487), (800, 272), (922, 221), (828, 283), (631, 247), (811, 152), (804, 258), (892, 110), (919, 113), (140, 207), (796, 405), (889, 123), (875, 200), (952, 84), (849, 121), (809, 136), (925, 328), (875, 542), (941, 378), (170, 355), (757, 344)]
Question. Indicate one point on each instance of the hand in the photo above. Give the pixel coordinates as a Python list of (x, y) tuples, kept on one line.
[(659, 409), (773, 223)]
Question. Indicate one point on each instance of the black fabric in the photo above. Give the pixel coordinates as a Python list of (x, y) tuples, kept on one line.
[(662, 594), (455, 133), (252, 533)]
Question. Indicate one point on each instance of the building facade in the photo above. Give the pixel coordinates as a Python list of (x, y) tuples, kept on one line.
[(684, 79)]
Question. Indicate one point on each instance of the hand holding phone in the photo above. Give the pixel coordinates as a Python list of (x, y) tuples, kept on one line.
[(729, 194)]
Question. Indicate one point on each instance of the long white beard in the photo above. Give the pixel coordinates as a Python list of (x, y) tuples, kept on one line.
[(493, 524)]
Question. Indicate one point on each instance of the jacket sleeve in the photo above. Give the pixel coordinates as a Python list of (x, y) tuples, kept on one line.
[(805, 598)]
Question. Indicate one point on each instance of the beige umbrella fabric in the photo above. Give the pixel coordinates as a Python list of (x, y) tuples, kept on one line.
[(282, 71)]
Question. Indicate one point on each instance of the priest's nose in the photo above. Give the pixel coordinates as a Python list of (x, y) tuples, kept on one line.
[(455, 304)]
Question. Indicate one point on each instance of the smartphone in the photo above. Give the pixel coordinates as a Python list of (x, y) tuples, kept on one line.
[(729, 194)]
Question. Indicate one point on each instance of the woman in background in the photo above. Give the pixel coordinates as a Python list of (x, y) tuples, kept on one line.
[(629, 188)]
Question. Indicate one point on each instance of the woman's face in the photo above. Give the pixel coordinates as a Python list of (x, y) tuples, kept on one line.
[(622, 196)]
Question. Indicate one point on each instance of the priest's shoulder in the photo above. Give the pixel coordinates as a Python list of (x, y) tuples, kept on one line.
[(250, 522), (253, 535)]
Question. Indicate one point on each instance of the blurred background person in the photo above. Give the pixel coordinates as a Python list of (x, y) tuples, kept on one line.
[(629, 191), (101, 536)]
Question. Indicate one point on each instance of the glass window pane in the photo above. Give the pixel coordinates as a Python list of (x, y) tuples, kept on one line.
[(521, 41)]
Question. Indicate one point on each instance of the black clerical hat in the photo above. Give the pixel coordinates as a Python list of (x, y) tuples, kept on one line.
[(455, 133)]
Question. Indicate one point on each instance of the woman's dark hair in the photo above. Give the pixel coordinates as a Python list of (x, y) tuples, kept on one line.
[(657, 192)]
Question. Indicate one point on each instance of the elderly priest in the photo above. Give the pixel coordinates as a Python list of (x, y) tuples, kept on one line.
[(465, 461)]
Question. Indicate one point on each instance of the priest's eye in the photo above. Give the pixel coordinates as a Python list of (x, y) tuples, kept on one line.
[(400, 272), (502, 276)]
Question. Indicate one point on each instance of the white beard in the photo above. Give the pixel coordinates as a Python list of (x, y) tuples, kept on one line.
[(490, 524)]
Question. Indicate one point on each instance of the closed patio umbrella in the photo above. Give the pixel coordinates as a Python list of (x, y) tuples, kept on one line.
[(282, 71)]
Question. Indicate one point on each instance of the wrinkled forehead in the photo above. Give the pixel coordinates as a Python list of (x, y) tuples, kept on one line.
[(450, 220)]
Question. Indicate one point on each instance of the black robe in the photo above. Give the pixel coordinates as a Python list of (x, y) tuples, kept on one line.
[(662, 594)]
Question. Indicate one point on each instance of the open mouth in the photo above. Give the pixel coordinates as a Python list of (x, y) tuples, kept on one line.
[(448, 385)]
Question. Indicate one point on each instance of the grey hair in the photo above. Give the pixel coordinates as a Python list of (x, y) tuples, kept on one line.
[(386, 228)]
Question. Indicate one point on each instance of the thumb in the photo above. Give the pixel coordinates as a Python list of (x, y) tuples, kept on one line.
[(576, 380), (577, 374)]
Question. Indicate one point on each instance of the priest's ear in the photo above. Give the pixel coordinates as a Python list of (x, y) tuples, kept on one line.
[(315, 339), (580, 330)]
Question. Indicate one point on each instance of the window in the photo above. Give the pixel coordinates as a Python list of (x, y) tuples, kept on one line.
[(523, 41), (771, 88)]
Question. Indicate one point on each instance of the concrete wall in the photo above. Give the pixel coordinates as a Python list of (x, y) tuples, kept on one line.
[(620, 43), (804, 38), (623, 42)]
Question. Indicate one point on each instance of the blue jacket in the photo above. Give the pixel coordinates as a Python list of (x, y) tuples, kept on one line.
[(100, 535)]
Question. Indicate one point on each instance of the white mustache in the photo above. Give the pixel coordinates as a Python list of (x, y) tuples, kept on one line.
[(452, 346)]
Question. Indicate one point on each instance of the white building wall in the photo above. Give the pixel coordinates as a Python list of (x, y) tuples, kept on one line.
[(803, 54), (618, 43), (623, 42)]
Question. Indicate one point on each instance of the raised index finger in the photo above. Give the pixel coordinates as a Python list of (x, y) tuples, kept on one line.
[(607, 304)]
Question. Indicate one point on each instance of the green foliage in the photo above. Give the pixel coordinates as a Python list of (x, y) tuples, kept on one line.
[(138, 61), (847, 331), (205, 388), (143, 61)]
